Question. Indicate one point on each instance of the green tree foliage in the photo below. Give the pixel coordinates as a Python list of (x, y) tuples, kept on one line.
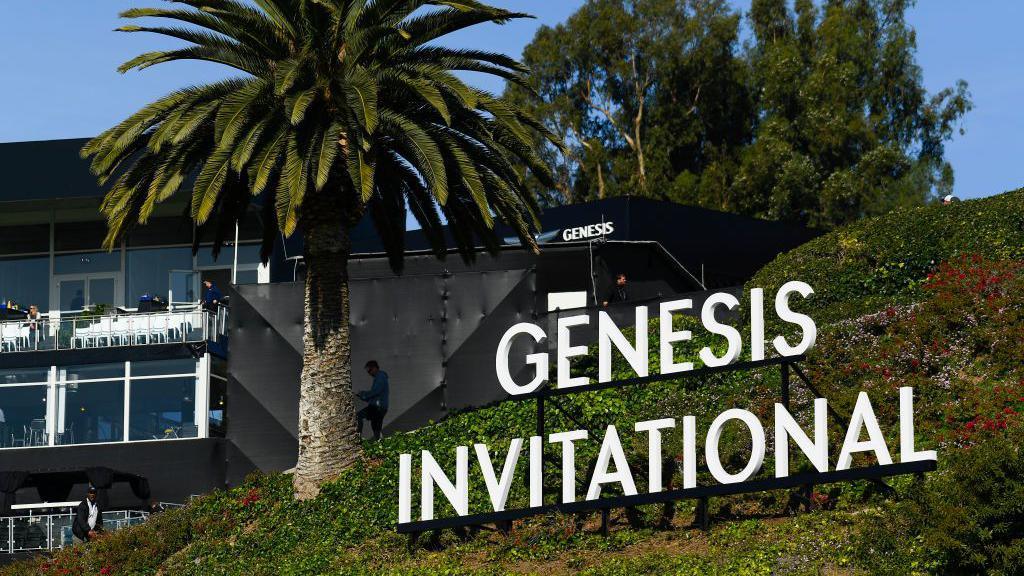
[(819, 116)]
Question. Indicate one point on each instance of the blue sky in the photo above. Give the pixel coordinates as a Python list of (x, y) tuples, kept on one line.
[(58, 62)]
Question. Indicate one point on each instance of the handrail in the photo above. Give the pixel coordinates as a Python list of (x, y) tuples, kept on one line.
[(119, 329), (43, 532)]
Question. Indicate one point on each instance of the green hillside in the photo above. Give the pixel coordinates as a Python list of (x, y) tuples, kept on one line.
[(869, 264), (931, 298)]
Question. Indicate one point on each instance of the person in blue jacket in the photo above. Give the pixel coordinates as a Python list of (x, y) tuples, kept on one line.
[(211, 295), (376, 399)]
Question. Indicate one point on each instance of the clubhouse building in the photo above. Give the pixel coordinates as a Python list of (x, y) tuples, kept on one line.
[(124, 381)]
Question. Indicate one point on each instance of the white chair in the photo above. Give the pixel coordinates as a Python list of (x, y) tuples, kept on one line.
[(121, 331), (104, 330), (14, 336), (82, 335), (140, 329), (8, 337)]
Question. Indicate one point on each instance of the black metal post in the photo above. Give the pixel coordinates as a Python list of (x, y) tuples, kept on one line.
[(540, 417), (702, 519), (785, 385), (605, 513)]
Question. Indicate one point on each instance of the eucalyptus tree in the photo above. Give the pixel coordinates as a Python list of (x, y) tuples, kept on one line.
[(338, 108), (804, 111)]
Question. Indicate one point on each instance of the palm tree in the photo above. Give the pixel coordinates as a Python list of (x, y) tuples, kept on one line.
[(340, 107)]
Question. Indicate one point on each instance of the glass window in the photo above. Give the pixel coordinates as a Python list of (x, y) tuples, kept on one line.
[(24, 376), (148, 271), (32, 239), (163, 408), (87, 235), (101, 291), (91, 412), (23, 416), (247, 277), (183, 287), (162, 231), (72, 295), (26, 281), (87, 263), (93, 371), (218, 406), (218, 396), (164, 367), (247, 254)]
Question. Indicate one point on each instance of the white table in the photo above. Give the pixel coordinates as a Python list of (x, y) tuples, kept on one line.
[(44, 506)]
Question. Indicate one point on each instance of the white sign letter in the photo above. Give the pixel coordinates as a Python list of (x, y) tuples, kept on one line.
[(786, 427), (757, 447), (611, 449), (907, 453), (608, 333), (568, 461), (707, 316), (863, 416), (756, 324), (806, 323), (457, 494), (653, 428), (668, 336), (536, 471), (565, 351), (539, 360), (689, 451), (499, 490), (404, 488)]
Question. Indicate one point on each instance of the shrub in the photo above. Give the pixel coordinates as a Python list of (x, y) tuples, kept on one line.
[(863, 267), (968, 518)]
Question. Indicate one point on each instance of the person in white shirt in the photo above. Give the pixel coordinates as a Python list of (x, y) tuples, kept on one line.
[(88, 518)]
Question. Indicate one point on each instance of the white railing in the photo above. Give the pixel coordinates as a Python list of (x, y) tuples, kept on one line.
[(113, 330), (37, 533)]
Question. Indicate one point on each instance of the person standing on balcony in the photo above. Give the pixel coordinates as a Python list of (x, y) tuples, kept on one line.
[(376, 399), (88, 521), (211, 295), (32, 322)]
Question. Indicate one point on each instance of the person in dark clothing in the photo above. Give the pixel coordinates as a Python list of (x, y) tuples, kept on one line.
[(88, 521), (619, 292), (211, 295), (376, 399), (78, 301)]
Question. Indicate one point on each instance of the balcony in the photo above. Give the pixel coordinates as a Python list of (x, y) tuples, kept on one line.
[(39, 533), (122, 328)]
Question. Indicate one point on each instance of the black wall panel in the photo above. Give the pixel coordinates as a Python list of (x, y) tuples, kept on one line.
[(175, 469), (400, 323), (263, 375)]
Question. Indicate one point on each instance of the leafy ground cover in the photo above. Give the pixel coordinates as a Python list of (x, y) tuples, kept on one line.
[(950, 324)]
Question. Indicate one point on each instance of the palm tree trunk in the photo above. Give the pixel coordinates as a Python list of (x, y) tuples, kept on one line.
[(328, 441)]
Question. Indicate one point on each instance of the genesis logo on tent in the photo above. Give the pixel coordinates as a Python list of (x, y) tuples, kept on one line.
[(590, 231)]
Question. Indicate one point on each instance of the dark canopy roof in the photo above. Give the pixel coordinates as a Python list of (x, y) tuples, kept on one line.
[(47, 169), (728, 248)]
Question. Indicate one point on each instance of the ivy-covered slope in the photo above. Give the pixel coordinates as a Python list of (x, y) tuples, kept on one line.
[(860, 268), (954, 330)]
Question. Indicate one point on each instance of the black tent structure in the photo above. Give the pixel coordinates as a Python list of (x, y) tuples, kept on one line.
[(55, 486)]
